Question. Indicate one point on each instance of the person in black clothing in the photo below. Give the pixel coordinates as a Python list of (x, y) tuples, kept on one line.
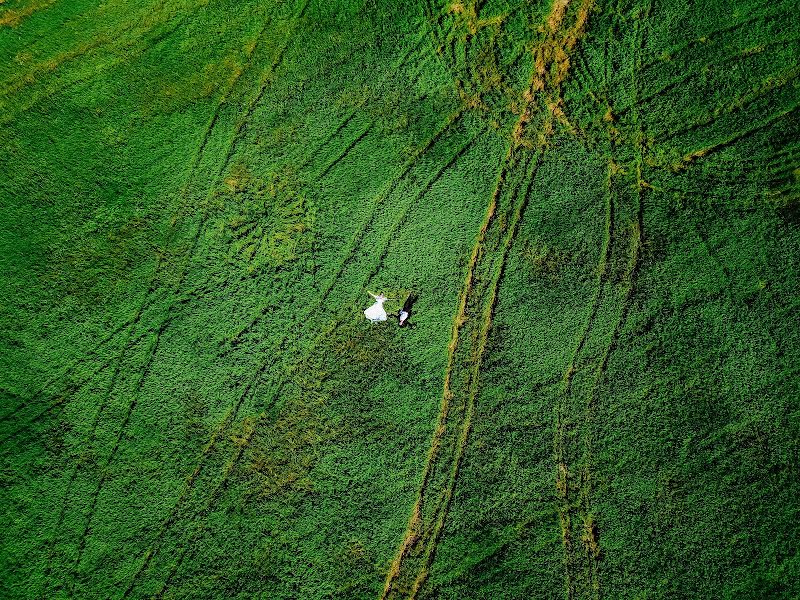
[(405, 312)]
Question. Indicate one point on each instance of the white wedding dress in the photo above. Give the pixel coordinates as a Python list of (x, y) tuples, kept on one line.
[(376, 313)]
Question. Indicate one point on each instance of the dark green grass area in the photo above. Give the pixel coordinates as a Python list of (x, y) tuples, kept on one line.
[(596, 202)]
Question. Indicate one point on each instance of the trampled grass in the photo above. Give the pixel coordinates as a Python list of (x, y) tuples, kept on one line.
[(596, 203)]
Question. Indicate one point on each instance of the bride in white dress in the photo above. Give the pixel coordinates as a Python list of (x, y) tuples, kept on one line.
[(376, 313)]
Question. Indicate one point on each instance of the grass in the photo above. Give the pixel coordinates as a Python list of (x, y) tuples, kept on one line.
[(596, 203)]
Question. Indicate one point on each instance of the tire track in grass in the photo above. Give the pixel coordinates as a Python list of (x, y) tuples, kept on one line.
[(346, 151), (407, 211), (152, 351), (564, 426), (172, 519), (689, 75), (27, 403), (115, 448), (76, 468), (188, 548), (777, 82), (384, 193), (174, 516), (313, 155), (368, 224), (73, 365), (12, 17), (409, 164), (590, 529), (116, 42), (476, 361), (208, 449), (427, 517), (692, 157), (573, 442), (409, 570), (226, 423), (146, 303), (704, 40), (354, 112)]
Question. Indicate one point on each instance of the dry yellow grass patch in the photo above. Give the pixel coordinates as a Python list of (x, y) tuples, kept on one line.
[(13, 17)]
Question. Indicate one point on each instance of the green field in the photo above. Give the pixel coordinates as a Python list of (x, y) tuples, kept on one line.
[(597, 203)]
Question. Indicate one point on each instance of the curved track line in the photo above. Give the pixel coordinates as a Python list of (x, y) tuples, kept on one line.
[(675, 50), (170, 520), (741, 103), (689, 75), (346, 151), (479, 293), (348, 119), (474, 388), (574, 485), (190, 481), (359, 236), (183, 198), (407, 211), (123, 50), (265, 81)]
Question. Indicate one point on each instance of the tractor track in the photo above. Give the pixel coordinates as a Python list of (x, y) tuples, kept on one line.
[(704, 40), (738, 104), (383, 194), (689, 75), (576, 408), (368, 224), (425, 525), (409, 570), (217, 434), (189, 483), (12, 17), (152, 351), (148, 300), (124, 48)]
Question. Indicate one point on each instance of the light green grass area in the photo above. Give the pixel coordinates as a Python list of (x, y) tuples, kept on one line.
[(595, 201)]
